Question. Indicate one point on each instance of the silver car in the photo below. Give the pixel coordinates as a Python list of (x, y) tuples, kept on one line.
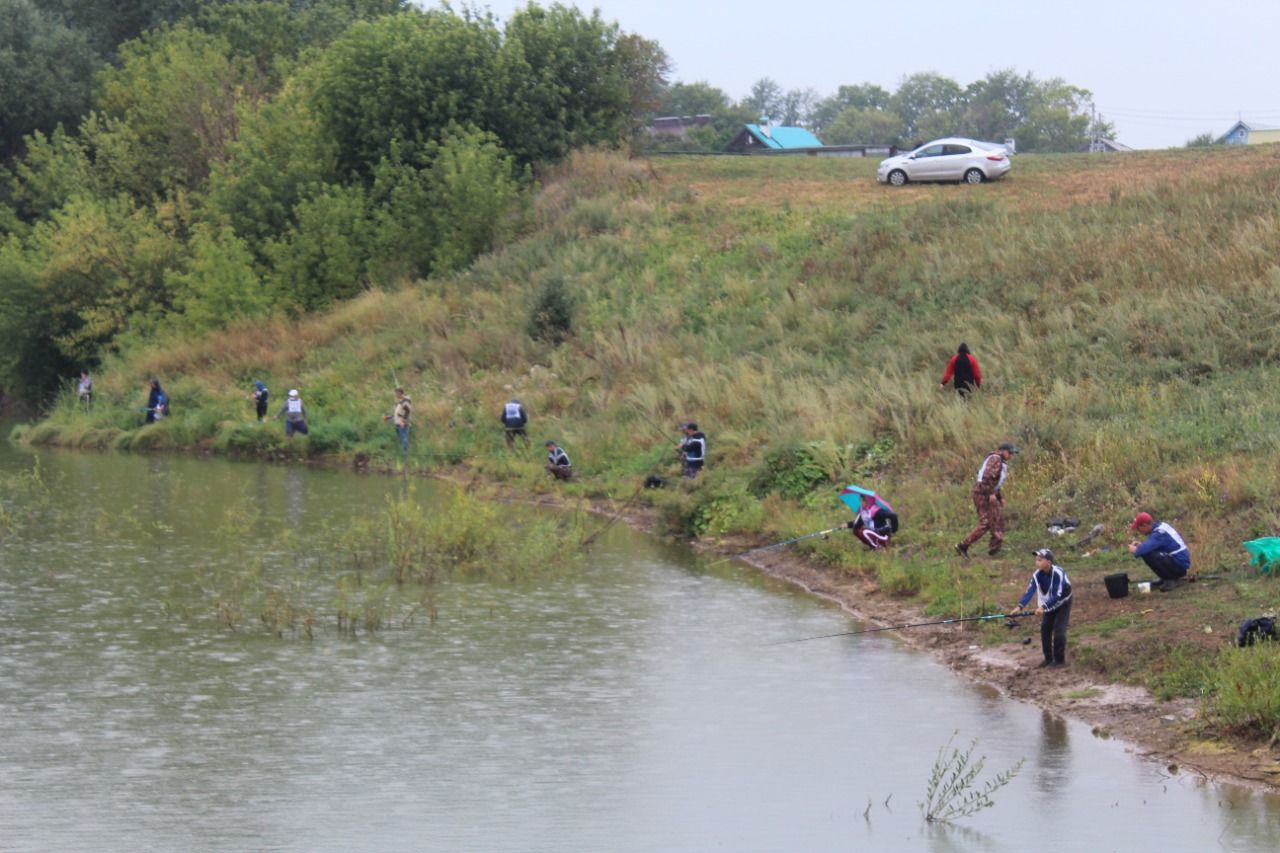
[(951, 159)]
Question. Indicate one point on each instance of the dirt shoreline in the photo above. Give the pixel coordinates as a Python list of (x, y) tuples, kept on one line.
[(1152, 729)]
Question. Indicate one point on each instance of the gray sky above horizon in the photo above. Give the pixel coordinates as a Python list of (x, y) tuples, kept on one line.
[(1161, 73)]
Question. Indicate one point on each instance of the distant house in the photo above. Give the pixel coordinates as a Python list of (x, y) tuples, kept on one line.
[(1244, 133), (761, 139), (677, 126), (1099, 145)]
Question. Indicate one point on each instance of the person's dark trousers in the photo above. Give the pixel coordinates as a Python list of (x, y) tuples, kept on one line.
[(1164, 566), (262, 409), (1053, 633)]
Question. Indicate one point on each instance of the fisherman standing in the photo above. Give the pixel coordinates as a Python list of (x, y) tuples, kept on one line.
[(558, 463), (693, 450), (514, 419), (401, 416), (85, 389), (1164, 550), (875, 523), (157, 402), (295, 414), (1052, 589), (259, 395), (988, 500), (963, 367)]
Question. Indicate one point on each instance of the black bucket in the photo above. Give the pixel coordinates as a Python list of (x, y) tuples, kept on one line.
[(1117, 585)]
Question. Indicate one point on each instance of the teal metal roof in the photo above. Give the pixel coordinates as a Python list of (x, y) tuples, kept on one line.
[(785, 137)]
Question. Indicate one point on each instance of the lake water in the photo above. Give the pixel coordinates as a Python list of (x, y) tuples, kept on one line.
[(631, 702)]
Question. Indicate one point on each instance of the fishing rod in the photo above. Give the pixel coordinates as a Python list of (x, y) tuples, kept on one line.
[(666, 435), (822, 533), (616, 516), (907, 625)]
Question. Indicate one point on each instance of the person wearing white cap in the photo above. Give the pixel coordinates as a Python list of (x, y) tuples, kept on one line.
[(1052, 589), (294, 413)]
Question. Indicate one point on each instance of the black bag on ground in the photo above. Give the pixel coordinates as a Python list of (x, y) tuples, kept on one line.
[(1255, 631)]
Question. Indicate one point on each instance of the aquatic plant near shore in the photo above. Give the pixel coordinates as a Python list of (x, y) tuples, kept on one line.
[(953, 791)]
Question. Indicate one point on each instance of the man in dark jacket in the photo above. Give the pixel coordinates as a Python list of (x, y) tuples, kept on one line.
[(514, 419), (558, 463), (1164, 550), (693, 450), (1052, 588), (988, 500)]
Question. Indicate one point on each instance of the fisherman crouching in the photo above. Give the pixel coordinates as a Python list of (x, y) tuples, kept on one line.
[(1052, 589), (875, 523), (558, 463)]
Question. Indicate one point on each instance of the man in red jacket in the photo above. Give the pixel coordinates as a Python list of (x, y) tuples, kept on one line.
[(964, 367), (988, 500)]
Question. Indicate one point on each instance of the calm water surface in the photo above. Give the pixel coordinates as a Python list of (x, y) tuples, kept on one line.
[(629, 703)]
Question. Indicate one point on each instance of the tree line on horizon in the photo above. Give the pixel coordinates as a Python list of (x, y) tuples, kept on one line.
[(1041, 115), (172, 166)]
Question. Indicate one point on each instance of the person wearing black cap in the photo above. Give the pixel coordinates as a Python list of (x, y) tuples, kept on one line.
[(558, 463), (988, 500), (1052, 589), (692, 449)]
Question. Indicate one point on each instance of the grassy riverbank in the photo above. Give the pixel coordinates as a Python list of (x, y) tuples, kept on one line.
[(1123, 310)]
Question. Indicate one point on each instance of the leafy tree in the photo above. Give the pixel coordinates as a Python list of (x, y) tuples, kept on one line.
[(765, 98), (797, 107), (324, 256), (219, 283), (866, 96), (402, 80), (100, 265), (46, 69), (571, 81), (691, 99), (1204, 140), (475, 193), (170, 110), (30, 362), (865, 126), (53, 170), (274, 33), (921, 99), (281, 153), (110, 23)]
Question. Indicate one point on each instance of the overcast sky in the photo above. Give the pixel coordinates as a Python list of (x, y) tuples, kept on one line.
[(1160, 72)]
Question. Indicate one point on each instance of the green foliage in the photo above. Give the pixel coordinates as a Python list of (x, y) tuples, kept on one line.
[(219, 283), (334, 435), (46, 67), (952, 792), (1245, 685), (793, 471), (551, 314), (324, 256), (724, 506)]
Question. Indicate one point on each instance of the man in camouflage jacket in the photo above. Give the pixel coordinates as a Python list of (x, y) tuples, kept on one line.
[(988, 500)]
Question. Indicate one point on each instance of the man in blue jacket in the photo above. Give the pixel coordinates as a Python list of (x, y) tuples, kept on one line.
[(1164, 550), (1052, 589)]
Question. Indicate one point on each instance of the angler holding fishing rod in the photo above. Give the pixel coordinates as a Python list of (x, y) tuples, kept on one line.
[(1052, 589), (874, 523)]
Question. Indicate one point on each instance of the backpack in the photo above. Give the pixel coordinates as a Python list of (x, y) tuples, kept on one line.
[(1256, 631)]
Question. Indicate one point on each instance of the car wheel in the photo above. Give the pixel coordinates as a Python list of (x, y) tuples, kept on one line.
[(974, 176), (897, 177)]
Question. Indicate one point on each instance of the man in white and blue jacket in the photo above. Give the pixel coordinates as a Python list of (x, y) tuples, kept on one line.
[(1052, 589), (1164, 550)]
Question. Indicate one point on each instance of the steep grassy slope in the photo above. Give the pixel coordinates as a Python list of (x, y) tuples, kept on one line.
[(1124, 310)]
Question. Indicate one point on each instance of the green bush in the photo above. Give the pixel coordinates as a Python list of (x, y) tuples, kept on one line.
[(333, 435), (1245, 684), (551, 314)]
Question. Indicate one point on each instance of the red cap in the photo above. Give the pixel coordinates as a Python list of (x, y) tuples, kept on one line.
[(1140, 519)]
